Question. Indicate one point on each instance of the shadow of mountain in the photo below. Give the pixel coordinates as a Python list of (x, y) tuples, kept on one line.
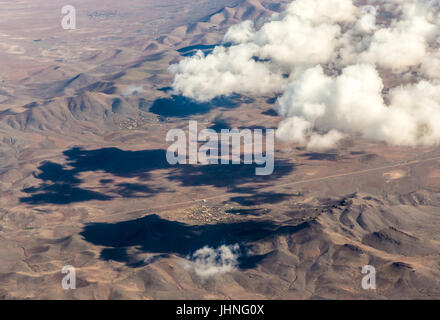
[(152, 234)]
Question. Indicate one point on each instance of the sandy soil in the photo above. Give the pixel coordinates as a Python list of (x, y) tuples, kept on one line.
[(84, 181)]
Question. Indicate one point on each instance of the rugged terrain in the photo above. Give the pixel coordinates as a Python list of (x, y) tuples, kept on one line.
[(84, 180)]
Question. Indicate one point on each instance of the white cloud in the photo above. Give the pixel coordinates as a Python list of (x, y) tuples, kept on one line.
[(294, 129), (209, 262), (352, 102), (401, 46), (322, 142), (240, 33), (225, 71), (132, 90), (328, 68)]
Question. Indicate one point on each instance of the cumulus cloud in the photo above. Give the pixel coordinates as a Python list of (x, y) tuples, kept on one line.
[(322, 142), (209, 262), (132, 90), (336, 73), (402, 45), (240, 33), (223, 72), (294, 129)]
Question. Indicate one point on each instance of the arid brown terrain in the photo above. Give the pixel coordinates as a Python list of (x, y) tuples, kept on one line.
[(84, 179)]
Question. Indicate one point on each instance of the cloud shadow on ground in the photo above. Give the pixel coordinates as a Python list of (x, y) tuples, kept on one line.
[(154, 235), (61, 183), (178, 106)]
